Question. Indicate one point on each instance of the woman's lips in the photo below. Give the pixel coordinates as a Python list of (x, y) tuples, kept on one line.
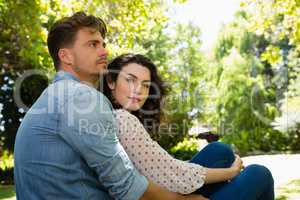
[(134, 99)]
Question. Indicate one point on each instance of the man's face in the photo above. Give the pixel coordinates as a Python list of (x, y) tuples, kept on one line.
[(89, 56)]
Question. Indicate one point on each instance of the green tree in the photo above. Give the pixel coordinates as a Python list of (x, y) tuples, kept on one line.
[(23, 32), (289, 121), (134, 26), (281, 27), (256, 66), (22, 47), (183, 64), (245, 89)]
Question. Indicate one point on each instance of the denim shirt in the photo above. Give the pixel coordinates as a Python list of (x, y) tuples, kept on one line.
[(66, 148)]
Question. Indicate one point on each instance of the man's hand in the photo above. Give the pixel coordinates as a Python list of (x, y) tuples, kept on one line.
[(155, 192)]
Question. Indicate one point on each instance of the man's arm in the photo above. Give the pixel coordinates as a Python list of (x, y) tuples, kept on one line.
[(86, 123)]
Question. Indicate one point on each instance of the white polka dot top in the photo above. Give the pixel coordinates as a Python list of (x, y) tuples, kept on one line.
[(153, 161)]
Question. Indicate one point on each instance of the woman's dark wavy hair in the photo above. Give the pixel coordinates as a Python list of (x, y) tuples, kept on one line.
[(150, 113)]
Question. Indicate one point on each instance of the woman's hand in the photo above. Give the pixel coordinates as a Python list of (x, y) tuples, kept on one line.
[(215, 175), (237, 165)]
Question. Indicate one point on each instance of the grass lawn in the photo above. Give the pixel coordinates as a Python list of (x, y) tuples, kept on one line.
[(290, 191), (7, 192)]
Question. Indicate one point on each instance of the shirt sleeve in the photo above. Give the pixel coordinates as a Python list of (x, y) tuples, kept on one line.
[(89, 127), (153, 161)]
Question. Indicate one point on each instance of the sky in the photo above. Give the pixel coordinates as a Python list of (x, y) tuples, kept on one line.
[(207, 14)]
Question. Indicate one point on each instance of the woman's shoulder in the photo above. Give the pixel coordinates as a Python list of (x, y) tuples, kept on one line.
[(123, 114), (128, 124)]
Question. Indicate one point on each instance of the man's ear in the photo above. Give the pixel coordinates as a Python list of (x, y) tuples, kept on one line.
[(111, 84), (65, 56)]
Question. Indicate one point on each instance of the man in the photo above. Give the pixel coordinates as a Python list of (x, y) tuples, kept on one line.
[(66, 146)]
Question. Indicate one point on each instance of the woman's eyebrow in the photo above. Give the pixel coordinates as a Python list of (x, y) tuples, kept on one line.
[(134, 76)]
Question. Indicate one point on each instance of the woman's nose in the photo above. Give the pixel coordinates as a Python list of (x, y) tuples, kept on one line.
[(137, 89)]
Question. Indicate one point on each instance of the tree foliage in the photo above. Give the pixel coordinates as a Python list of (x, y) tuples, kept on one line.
[(134, 26), (183, 72), (252, 77), (256, 59), (281, 27), (23, 33)]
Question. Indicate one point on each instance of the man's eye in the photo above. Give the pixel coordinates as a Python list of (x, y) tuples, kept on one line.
[(93, 44), (104, 44)]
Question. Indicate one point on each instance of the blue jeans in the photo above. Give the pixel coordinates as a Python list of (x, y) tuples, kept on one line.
[(255, 182)]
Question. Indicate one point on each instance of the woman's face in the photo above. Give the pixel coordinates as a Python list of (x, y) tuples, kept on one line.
[(131, 89)]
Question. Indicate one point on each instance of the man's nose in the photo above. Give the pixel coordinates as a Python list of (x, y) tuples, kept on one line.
[(103, 52)]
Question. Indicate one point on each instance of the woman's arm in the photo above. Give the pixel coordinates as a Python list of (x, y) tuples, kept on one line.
[(157, 165), (153, 161), (214, 175)]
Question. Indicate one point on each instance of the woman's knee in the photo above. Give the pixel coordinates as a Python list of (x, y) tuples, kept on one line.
[(261, 172), (222, 149)]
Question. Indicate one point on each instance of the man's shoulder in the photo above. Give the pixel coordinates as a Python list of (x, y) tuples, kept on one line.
[(68, 96), (73, 90)]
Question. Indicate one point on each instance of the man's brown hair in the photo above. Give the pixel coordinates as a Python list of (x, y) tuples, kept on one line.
[(63, 32)]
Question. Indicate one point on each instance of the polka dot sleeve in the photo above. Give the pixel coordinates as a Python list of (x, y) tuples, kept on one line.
[(153, 161)]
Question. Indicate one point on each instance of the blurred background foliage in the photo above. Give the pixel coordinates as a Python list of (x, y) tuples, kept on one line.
[(247, 87)]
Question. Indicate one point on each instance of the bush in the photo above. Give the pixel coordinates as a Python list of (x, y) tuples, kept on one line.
[(186, 149), (6, 169)]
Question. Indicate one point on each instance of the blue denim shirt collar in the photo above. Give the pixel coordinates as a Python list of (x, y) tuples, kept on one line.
[(63, 75)]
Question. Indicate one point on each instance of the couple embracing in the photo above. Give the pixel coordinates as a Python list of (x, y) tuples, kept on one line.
[(85, 139)]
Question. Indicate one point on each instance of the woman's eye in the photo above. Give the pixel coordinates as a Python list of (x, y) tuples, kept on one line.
[(147, 86), (130, 80)]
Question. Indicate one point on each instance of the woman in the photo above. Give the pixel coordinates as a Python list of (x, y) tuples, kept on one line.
[(136, 90)]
